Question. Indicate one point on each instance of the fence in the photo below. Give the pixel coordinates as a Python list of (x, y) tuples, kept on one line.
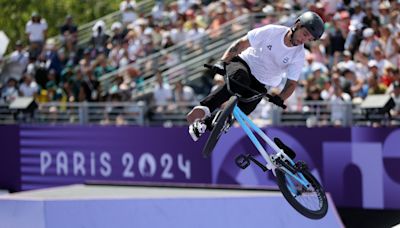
[(308, 113)]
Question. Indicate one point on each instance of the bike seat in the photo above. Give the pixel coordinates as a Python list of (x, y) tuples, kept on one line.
[(288, 151)]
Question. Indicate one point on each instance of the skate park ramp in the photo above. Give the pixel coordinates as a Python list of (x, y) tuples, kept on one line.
[(101, 206)]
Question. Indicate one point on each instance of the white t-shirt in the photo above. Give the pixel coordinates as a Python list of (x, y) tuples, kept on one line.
[(162, 95), (269, 58), (129, 15), (29, 90), (36, 30)]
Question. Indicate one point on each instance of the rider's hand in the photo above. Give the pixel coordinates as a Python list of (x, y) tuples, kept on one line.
[(219, 67), (277, 100)]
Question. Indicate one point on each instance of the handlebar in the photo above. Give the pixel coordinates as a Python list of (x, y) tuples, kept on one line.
[(256, 95)]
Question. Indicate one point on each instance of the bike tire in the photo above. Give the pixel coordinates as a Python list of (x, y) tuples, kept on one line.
[(217, 130), (317, 213)]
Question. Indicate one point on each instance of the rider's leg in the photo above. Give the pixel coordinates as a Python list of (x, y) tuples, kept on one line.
[(215, 99), (199, 117)]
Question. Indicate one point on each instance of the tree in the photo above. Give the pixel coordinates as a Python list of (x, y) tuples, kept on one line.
[(17, 13)]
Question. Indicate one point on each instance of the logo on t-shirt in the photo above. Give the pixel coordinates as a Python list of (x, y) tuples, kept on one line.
[(286, 60), (269, 47)]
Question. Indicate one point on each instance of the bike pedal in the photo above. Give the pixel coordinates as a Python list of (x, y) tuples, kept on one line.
[(242, 161)]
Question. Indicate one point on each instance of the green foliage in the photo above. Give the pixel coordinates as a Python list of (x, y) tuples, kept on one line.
[(16, 13)]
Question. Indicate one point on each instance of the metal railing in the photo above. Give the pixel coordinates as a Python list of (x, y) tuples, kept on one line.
[(119, 113), (310, 113)]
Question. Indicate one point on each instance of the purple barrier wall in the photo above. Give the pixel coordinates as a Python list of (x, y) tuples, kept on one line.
[(9, 158), (53, 156), (357, 165)]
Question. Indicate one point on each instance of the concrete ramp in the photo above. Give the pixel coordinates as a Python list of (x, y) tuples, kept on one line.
[(101, 206)]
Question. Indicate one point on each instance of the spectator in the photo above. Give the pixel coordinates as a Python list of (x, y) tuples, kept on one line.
[(388, 76), (396, 77), (29, 88), (19, 60), (354, 87), (128, 10), (69, 33), (319, 52), (20, 56), (396, 97), (313, 94), (178, 34), (219, 18), (10, 92), (99, 37), (336, 39), (184, 5), (167, 41), (36, 29), (339, 104), (318, 77), (390, 46), (384, 12), (394, 24), (162, 94), (369, 43), (118, 34), (347, 62), (183, 93), (102, 66), (382, 62), (87, 57), (374, 87), (370, 20), (361, 66)]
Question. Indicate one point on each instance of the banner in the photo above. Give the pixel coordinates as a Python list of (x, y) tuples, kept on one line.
[(62, 155), (358, 166)]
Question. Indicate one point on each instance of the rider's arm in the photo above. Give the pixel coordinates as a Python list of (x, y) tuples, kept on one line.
[(289, 88), (235, 49)]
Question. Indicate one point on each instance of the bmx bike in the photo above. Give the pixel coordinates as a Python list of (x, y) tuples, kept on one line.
[(299, 187)]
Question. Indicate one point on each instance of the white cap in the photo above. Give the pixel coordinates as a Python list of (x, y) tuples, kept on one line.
[(368, 32), (372, 63), (268, 9), (116, 25)]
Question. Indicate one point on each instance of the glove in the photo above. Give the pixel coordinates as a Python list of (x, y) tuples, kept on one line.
[(219, 67), (277, 100)]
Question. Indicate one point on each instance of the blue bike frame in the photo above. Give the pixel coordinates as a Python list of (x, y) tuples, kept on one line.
[(246, 123)]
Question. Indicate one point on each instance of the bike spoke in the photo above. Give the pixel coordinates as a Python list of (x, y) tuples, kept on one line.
[(309, 198)]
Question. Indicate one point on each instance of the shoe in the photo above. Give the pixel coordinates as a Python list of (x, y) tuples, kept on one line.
[(288, 151), (198, 113), (197, 129)]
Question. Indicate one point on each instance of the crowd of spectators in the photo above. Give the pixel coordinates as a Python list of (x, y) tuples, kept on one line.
[(358, 55)]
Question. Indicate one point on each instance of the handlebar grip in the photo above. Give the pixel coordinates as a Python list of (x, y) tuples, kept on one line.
[(209, 66), (217, 71), (280, 105)]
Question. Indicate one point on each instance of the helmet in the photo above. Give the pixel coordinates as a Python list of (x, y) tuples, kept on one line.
[(313, 23)]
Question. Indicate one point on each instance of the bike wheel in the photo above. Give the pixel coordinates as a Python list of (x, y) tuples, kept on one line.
[(312, 202), (220, 124)]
